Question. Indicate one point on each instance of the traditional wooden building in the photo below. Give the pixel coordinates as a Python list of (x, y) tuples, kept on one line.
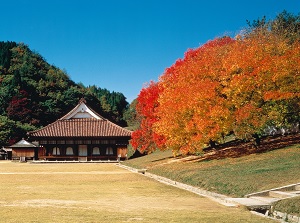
[(82, 135), (23, 150)]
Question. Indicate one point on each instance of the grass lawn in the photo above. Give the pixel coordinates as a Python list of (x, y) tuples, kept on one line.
[(101, 193), (232, 176)]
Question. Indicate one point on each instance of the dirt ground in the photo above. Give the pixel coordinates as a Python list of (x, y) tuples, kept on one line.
[(101, 193)]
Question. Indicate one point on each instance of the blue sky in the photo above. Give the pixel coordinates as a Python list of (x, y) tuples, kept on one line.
[(121, 45)]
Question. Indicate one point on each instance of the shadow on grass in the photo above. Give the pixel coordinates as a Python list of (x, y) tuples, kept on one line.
[(238, 149)]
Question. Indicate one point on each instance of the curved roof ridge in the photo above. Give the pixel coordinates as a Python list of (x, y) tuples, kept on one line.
[(46, 126), (86, 127), (81, 121), (81, 110)]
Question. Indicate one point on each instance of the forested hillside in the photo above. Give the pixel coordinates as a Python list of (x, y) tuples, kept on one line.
[(34, 93), (244, 87)]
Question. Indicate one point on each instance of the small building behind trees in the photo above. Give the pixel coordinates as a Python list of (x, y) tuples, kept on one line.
[(81, 135)]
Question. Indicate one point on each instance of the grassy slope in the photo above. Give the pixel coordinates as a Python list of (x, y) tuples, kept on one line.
[(232, 176)]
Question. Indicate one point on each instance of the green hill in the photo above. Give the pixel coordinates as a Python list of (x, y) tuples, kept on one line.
[(34, 93)]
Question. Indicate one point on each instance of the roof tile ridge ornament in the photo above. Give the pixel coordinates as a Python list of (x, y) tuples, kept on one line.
[(82, 108), (82, 100)]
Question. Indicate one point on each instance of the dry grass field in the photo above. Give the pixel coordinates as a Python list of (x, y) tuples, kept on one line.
[(101, 193)]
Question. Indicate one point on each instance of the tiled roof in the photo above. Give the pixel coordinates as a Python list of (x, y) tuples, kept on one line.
[(22, 144), (81, 127)]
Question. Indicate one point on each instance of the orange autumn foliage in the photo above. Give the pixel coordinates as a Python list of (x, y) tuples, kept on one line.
[(192, 107), (225, 86), (265, 71)]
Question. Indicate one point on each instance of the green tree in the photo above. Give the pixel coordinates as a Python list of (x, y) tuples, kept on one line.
[(286, 25), (12, 131), (5, 54), (6, 130), (131, 117), (113, 104)]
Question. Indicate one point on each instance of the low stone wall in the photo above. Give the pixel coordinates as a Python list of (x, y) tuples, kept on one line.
[(285, 217), (222, 199)]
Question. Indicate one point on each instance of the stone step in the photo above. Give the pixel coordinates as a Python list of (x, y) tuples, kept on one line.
[(251, 204), (287, 188), (267, 200), (297, 187), (295, 192), (280, 194)]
